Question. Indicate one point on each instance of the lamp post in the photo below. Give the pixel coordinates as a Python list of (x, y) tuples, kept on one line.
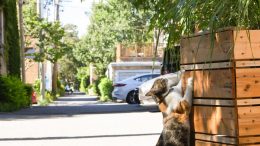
[(42, 69)]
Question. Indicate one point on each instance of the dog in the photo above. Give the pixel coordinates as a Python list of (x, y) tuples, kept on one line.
[(175, 109)]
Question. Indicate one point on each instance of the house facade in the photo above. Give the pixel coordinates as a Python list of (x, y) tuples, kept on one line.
[(134, 59)]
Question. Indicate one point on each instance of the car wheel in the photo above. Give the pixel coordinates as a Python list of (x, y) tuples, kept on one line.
[(132, 98)]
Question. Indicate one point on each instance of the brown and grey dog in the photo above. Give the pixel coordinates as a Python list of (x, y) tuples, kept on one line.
[(175, 109)]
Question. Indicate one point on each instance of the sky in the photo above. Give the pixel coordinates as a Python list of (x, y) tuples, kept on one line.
[(71, 12), (76, 12)]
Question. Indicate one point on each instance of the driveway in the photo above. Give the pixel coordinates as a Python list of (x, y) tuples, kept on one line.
[(82, 120)]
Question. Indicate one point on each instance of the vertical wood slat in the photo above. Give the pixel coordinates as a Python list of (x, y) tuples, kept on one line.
[(248, 82), (215, 120), (197, 49), (215, 138), (249, 120), (246, 44), (239, 47), (211, 83)]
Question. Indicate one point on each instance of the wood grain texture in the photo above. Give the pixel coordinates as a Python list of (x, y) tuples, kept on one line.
[(215, 120), (198, 49), (219, 65), (211, 83), (247, 44), (215, 138), (248, 82), (249, 120), (242, 102), (213, 102), (205, 143), (249, 140), (254, 63)]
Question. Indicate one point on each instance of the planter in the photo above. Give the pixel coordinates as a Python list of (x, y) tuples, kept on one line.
[(226, 86)]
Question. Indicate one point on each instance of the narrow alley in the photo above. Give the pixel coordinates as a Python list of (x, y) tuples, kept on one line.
[(82, 120)]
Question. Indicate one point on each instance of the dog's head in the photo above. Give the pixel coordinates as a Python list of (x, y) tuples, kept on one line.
[(158, 90)]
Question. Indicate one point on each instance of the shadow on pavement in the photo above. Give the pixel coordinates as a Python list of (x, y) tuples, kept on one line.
[(78, 99), (69, 111)]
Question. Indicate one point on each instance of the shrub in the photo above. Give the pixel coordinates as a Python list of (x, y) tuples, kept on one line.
[(96, 83), (14, 95), (29, 90), (37, 86), (106, 87), (60, 89), (84, 83), (91, 90)]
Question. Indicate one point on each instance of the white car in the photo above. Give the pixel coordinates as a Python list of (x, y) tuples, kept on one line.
[(125, 89)]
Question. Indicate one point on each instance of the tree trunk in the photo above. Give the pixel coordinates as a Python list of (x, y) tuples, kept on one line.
[(54, 78)]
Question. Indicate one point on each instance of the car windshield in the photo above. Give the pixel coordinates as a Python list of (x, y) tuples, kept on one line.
[(146, 77)]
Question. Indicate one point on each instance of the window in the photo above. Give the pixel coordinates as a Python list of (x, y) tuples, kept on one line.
[(144, 78)]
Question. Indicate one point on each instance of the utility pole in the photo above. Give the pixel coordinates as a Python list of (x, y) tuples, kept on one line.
[(42, 69), (57, 11), (55, 64), (20, 5)]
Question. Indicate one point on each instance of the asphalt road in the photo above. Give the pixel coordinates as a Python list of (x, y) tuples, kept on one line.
[(81, 121)]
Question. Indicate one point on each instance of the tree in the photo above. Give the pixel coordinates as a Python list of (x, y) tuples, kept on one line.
[(112, 21), (49, 36), (68, 64), (180, 17)]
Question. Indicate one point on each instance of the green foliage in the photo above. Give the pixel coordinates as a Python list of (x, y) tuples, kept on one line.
[(14, 95), (96, 83), (29, 90), (82, 72), (61, 89), (112, 22), (68, 65), (11, 37), (49, 37), (106, 87), (92, 90), (84, 84), (94, 87), (180, 17), (37, 86), (48, 99)]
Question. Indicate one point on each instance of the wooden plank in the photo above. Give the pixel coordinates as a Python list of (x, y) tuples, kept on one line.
[(255, 63), (216, 138), (214, 102), (249, 120), (249, 140), (242, 102), (248, 82), (207, 66), (247, 44), (215, 120), (198, 49), (211, 83), (205, 143)]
